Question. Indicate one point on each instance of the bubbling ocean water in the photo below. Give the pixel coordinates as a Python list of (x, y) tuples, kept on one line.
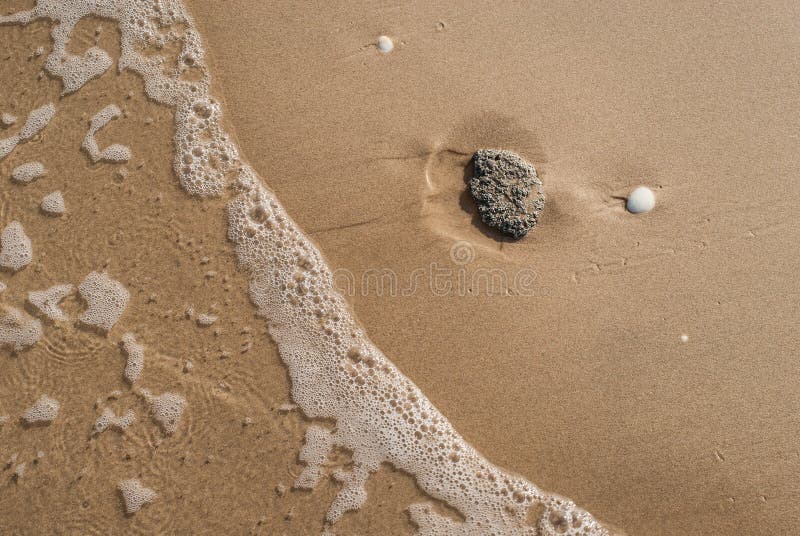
[(337, 374)]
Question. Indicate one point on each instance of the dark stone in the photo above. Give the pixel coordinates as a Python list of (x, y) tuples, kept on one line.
[(507, 191)]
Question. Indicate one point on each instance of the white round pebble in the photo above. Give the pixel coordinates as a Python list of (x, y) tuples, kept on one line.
[(641, 200), (385, 44)]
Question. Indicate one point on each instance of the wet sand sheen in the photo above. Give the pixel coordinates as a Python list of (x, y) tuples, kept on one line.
[(228, 395)]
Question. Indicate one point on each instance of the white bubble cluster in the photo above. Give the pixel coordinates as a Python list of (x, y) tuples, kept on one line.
[(75, 71), (46, 301), (37, 120), (44, 410), (28, 172), (53, 204), (205, 319), (7, 119), (18, 330), (166, 409), (16, 250), (135, 354), (114, 153), (106, 300), (109, 420), (135, 495), (337, 373)]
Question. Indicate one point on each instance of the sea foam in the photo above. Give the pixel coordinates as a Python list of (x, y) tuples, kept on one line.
[(28, 172), (18, 330), (44, 410), (46, 301), (113, 153), (106, 300), (53, 204), (16, 250)]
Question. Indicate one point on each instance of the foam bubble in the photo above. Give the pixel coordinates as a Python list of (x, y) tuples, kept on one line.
[(385, 44), (16, 250), (37, 120), (7, 119), (135, 353), (135, 495), (46, 301), (18, 330), (44, 410), (75, 71), (205, 320), (7, 145), (166, 409), (28, 172), (106, 300), (641, 200), (53, 204), (115, 153), (319, 442), (110, 420)]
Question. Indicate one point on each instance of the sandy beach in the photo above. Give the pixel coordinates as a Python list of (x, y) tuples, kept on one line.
[(643, 366)]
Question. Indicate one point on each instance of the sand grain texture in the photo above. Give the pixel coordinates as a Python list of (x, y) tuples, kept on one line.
[(579, 381)]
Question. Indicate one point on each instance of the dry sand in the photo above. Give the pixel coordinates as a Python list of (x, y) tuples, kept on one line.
[(579, 381)]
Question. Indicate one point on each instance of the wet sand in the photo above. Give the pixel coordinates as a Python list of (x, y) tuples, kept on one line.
[(577, 379)]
